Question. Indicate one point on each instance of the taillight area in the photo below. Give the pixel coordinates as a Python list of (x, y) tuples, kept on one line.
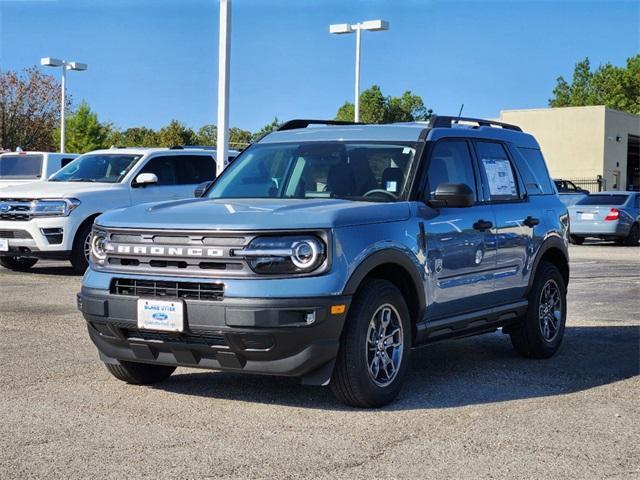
[(614, 214)]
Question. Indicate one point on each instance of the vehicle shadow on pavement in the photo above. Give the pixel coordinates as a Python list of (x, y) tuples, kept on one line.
[(472, 371), (62, 270)]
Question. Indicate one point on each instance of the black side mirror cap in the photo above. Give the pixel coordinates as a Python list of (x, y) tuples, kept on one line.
[(201, 189), (453, 195)]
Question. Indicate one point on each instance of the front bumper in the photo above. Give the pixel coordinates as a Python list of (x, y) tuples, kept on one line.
[(40, 237), (261, 336)]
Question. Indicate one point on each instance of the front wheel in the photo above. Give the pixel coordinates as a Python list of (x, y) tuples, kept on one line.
[(81, 249), (18, 264), (541, 331), (375, 346), (139, 373)]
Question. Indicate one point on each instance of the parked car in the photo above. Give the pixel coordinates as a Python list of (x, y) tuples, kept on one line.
[(569, 192), (52, 220), (18, 168), (329, 253), (610, 215)]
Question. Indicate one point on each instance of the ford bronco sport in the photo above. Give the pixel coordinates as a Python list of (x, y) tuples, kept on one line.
[(328, 253)]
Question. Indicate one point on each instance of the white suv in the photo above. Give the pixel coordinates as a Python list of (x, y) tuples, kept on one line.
[(17, 168), (53, 219)]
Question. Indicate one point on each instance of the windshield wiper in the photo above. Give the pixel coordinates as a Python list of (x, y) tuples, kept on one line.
[(81, 180)]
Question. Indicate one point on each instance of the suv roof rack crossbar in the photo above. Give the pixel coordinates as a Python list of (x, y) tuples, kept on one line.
[(303, 123), (448, 122)]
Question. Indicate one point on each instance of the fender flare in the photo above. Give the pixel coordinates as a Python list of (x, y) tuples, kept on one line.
[(388, 256), (552, 242)]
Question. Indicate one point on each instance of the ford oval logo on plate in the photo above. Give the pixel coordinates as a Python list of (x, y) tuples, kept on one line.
[(160, 316)]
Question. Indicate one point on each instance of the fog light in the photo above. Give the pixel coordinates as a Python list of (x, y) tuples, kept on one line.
[(310, 317)]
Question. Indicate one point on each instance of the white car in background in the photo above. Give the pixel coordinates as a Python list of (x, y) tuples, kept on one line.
[(17, 168), (53, 219)]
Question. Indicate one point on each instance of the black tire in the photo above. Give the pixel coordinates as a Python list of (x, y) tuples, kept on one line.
[(79, 259), (352, 382), (633, 239), (139, 373), (576, 240), (529, 338), (18, 264)]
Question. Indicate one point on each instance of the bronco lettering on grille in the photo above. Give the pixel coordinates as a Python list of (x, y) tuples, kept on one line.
[(165, 251)]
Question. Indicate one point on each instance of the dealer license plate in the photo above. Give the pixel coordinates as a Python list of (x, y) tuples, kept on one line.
[(587, 216), (161, 315), (4, 245)]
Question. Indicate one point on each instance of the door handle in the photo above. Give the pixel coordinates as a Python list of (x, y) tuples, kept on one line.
[(482, 225), (531, 222)]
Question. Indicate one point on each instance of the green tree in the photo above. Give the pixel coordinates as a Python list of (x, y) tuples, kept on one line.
[(268, 128), (238, 138), (376, 108), (615, 87), (176, 133), (84, 131), (134, 137)]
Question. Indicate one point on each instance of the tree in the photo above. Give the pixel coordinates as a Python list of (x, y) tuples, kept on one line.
[(376, 108), (615, 87), (268, 128), (176, 133), (238, 138), (29, 110), (133, 137), (84, 131)]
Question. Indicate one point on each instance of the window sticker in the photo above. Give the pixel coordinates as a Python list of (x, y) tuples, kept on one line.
[(500, 177), (392, 186)]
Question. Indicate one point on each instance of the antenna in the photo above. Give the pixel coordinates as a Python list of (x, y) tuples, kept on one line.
[(460, 113)]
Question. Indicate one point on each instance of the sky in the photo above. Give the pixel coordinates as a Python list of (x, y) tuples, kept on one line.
[(151, 61)]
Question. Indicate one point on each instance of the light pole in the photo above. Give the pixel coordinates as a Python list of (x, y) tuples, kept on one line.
[(54, 62), (342, 28), (222, 140)]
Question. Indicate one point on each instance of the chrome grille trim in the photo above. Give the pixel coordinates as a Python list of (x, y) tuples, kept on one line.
[(16, 209)]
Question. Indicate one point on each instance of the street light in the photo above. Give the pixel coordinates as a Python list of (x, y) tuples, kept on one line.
[(342, 28), (77, 66)]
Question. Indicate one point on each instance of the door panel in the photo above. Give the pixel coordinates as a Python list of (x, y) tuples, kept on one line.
[(460, 255)]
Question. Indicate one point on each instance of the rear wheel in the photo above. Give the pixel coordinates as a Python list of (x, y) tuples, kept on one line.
[(375, 345), (576, 240), (140, 373), (633, 239), (81, 249), (540, 334), (18, 264)]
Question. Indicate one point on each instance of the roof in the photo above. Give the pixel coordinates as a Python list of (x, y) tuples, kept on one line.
[(148, 150), (397, 132), (35, 152)]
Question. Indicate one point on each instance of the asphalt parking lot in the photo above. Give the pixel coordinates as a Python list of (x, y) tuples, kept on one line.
[(469, 409)]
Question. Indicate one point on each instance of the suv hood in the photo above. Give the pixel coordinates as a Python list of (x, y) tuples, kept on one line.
[(36, 190), (254, 214)]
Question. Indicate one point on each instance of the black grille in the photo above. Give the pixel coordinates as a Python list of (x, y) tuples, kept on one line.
[(15, 234), (160, 288), (191, 338)]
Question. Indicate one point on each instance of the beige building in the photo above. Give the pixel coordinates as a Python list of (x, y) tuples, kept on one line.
[(582, 143)]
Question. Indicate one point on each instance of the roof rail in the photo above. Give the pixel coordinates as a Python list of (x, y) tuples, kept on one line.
[(448, 122), (176, 147), (301, 123)]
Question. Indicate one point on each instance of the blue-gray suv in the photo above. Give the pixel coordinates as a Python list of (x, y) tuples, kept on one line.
[(328, 252)]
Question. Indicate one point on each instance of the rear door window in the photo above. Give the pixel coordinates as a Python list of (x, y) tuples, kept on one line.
[(500, 175)]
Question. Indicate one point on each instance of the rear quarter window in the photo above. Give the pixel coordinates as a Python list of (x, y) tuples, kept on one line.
[(533, 169)]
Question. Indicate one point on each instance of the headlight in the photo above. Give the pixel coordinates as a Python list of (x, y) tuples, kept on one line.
[(53, 208), (282, 255), (98, 246)]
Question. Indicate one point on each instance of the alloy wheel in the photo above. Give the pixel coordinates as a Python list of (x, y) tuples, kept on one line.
[(385, 345)]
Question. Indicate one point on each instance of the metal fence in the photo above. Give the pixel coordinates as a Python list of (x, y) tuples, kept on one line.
[(597, 184)]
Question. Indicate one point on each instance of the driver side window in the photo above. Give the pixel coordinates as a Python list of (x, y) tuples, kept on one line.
[(450, 163)]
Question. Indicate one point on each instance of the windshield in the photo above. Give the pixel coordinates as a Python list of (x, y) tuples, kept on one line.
[(354, 171), (603, 200), (20, 166), (102, 168)]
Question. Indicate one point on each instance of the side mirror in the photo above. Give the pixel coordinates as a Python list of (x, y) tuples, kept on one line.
[(453, 195), (145, 179), (200, 189)]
